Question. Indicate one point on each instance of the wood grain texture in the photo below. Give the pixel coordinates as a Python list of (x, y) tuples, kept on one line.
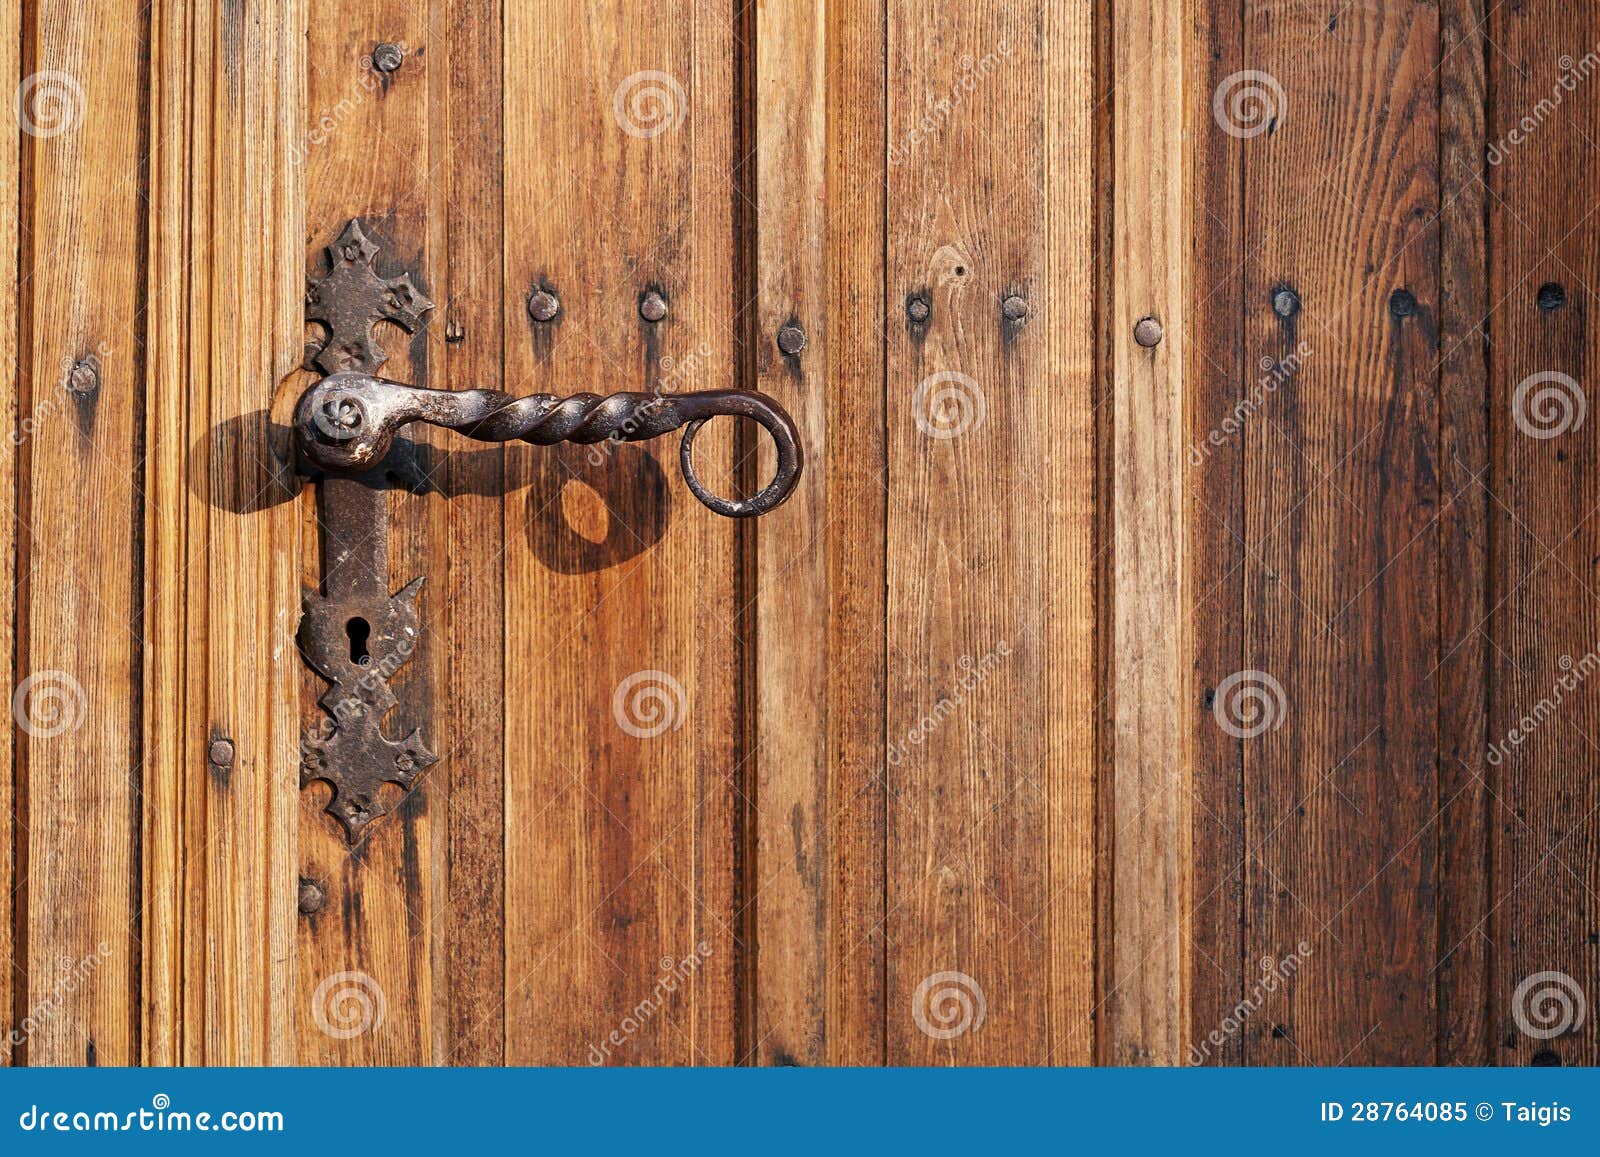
[(1147, 1005), (1544, 709), (12, 957), (789, 892), (1465, 565), (1342, 537), (372, 944), (955, 734), (991, 738), (624, 768), (79, 524), (469, 569), (221, 568), (853, 329), (169, 504), (1218, 380)]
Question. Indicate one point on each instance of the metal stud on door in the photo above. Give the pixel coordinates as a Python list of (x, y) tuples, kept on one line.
[(353, 632)]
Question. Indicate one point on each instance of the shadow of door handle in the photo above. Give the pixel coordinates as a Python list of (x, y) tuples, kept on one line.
[(345, 423)]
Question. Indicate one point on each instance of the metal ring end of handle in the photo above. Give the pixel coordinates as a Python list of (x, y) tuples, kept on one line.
[(785, 439)]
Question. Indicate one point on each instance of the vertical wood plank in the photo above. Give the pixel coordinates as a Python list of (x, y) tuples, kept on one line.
[(1342, 533), (12, 962), (1465, 565), (1068, 743), (169, 505), (817, 888), (818, 883), (1148, 1004), (469, 584), (856, 465), (1545, 707), (790, 872), (1220, 385), (623, 760), (79, 521), (221, 587), (991, 734), (367, 954)]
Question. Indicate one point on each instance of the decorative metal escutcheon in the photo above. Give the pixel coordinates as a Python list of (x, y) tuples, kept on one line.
[(353, 632)]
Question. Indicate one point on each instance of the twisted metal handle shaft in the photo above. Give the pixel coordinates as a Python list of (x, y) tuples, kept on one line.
[(346, 422)]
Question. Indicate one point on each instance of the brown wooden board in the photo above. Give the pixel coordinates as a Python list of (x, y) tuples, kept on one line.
[(1219, 380), (469, 582), (366, 982), (13, 966), (221, 723), (1543, 711), (854, 461), (1150, 789), (1341, 537), (950, 760), (79, 522), (787, 903), (1465, 569), (625, 765), (989, 715)]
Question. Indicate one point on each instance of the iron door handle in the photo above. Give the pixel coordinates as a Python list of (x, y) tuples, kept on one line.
[(353, 631), (345, 424)]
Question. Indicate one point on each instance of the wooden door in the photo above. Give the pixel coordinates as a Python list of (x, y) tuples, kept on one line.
[(1142, 672)]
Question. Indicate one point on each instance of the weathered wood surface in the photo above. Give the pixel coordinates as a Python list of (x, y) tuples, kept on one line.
[(628, 766), (78, 526), (1342, 539), (943, 762), (1542, 791), (221, 719), (1150, 789), (990, 712)]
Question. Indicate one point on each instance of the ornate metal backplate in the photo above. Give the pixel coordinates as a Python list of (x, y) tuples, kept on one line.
[(353, 632), (352, 298)]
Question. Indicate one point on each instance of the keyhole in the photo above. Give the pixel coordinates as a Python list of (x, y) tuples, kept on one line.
[(358, 630)]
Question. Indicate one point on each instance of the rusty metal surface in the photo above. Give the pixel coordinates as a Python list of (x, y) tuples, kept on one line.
[(355, 635), (351, 298), (346, 423), (352, 631)]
